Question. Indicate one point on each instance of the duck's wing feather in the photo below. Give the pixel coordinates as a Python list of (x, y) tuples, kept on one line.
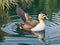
[(20, 13)]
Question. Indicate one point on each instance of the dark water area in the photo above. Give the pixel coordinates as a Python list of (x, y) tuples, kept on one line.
[(9, 35)]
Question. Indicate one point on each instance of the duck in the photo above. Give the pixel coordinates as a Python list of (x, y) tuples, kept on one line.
[(28, 22), (36, 27), (39, 29), (41, 25)]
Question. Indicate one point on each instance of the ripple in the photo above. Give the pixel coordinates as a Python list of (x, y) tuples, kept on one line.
[(56, 18), (52, 30)]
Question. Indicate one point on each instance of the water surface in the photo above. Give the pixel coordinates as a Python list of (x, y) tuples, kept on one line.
[(11, 36)]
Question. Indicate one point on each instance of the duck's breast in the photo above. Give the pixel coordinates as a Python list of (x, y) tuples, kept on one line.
[(39, 27)]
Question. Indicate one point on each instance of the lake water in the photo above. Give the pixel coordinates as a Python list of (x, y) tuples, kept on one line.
[(10, 35), (15, 37)]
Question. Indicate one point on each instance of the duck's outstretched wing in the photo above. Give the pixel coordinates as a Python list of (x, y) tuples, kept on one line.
[(20, 13)]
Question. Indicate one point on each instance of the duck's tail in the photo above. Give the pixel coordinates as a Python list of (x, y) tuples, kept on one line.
[(20, 13), (19, 26)]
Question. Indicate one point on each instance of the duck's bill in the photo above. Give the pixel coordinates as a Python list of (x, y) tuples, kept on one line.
[(45, 17)]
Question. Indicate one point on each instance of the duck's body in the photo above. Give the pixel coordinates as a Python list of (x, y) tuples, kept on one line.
[(33, 25), (39, 27), (28, 26), (28, 21)]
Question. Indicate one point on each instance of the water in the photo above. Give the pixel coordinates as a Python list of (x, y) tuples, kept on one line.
[(52, 32), (9, 35)]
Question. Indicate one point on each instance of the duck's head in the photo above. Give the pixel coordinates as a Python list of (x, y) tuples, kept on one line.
[(42, 16)]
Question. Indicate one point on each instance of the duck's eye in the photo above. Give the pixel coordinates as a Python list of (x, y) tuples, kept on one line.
[(43, 14)]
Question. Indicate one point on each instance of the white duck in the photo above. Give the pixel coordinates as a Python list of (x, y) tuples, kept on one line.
[(39, 29), (41, 25)]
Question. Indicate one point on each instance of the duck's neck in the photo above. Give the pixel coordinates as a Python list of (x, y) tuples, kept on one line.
[(41, 21)]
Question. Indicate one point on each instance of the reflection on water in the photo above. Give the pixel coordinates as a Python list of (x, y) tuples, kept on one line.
[(52, 32), (9, 35)]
